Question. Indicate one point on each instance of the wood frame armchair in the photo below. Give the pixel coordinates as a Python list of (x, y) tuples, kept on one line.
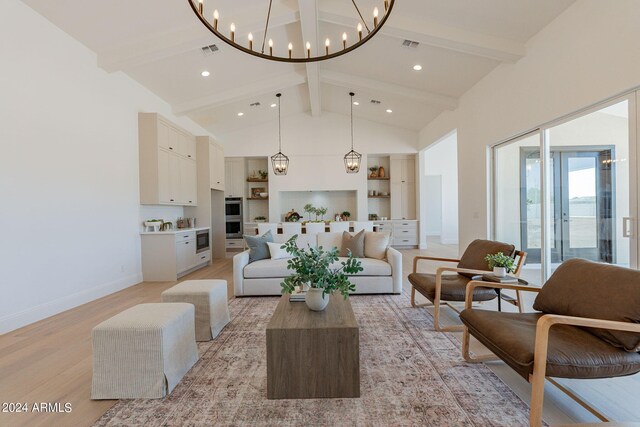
[(541, 348), (438, 299)]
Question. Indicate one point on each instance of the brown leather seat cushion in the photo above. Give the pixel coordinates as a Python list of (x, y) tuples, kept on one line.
[(473, 256), (584, 288), (454, 287), (573, 352)]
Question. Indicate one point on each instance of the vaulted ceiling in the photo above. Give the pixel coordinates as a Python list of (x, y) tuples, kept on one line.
[(159, 43)]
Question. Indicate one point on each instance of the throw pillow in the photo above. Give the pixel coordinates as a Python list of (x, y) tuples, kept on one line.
[(258, 248), (354, 243), (473, 256), (276, 251), (584, 288), (375, 244)]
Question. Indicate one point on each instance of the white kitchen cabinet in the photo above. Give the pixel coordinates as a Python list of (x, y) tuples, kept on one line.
[(217, 166), (168, 169), (234, 185), (166, 256), (403, 188)]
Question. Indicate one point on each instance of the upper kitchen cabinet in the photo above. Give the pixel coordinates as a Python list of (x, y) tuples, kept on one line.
[(168, 170), (216, 166), (234, 177), (403, 187)]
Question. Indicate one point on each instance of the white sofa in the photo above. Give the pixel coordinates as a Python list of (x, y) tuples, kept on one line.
[(263, 277)]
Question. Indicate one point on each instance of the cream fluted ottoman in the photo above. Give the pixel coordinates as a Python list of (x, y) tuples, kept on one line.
[(143, 352), (210, 299)]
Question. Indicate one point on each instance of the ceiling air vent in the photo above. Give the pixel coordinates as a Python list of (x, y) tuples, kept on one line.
[(209, 50), (410, 44), (375, 101)]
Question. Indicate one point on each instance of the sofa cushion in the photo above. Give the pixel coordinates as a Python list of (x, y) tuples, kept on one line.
[(371, 267), (573, 352), (454, 287), (352, 243), (266, 268), (473, 256), (376, 244), (329, 241), (602, 291), (258, 248), (277, 251)]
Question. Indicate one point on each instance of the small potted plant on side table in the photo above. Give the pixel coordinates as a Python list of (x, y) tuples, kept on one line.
[(501, 264), (313, 267)]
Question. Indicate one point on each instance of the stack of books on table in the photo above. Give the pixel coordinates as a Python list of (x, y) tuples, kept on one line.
[(297, 297), (490, 277)]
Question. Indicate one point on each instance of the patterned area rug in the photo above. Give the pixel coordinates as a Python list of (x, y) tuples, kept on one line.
[(410, 375)]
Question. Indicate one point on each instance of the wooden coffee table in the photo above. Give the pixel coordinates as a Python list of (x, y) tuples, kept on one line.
[(313, 354)]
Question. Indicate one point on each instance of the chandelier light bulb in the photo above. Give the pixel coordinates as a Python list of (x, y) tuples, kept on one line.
[(270, 47), (359, 31), (290, 49), (216, 16), (200, 6), (233, 31), (327, 43), (308, 50), (375, 16), (344, 40), (250, 36)]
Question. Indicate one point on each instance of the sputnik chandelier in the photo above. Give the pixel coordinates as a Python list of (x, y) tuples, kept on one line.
[(266, 49)]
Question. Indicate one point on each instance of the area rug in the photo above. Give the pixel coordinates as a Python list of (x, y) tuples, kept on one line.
[(410, 375)]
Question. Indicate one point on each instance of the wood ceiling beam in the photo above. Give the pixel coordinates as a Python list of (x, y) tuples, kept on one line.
[(442, 36), (178, 41), (268, 86), (309, 25), (352, 82)]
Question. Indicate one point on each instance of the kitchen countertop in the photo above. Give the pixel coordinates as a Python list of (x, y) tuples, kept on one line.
[(176, 231)]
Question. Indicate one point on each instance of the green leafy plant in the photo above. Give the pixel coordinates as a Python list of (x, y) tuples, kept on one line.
[(374, 168), (501, 260), (308, 208), (263, 174), (313, 267), (346, 214), (260, 218), (321, 212)]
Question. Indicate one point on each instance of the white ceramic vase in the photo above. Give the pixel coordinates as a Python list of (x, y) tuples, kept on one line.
[(500, 271), (314, 299)]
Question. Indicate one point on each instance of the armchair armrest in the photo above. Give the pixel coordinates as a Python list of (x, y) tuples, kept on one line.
[(240, 261), (468, 299), (429, 258)]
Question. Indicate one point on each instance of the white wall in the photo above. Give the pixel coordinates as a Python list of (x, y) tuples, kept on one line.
[(441, 160), (316, 147), (68, 171), (587, 54)]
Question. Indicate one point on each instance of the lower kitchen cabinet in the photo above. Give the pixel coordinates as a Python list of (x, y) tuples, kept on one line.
[(166, 256)]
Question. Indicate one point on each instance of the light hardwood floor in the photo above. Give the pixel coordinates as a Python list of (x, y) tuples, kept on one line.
[(50, 361)]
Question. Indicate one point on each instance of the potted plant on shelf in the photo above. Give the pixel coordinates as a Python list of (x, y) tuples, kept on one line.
[(501, 264), (260, 219), (315, 267), (374, 172), (263, 174), (346, 215)]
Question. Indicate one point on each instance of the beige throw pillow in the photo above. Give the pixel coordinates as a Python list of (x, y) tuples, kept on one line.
[(375, 244), (354, 243)]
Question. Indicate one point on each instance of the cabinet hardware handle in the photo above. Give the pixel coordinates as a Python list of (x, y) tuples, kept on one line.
[(202, 257), (188, 155), (171, 200), (170, 148), (190, 201), (186, 243)]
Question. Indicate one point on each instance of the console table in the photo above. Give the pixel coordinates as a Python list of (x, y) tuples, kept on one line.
[(313, 354)]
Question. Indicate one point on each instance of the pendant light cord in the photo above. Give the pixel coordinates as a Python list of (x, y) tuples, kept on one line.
[(351, 120), (279, 127), (266, 25), (361, 18)]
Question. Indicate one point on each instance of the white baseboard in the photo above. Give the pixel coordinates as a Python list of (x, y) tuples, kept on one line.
[(449, 241), (17, 320)]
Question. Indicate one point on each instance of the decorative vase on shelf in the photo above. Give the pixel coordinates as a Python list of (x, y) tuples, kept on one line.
[(500, 271), (315, 300), (381, 173)]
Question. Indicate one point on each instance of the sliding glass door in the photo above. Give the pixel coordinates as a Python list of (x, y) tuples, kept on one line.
[(579, 199)]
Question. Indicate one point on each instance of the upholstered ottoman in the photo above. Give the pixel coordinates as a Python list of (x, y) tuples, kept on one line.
[(143, 352), (210, 299)]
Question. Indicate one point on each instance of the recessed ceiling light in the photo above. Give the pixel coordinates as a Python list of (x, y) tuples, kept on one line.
[(389, 110), (356, 103), (274, 105), (240, 114), (417, 67), (205, 73)]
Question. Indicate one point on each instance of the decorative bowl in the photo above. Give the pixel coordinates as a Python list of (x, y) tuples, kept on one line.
[(264, 195)]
